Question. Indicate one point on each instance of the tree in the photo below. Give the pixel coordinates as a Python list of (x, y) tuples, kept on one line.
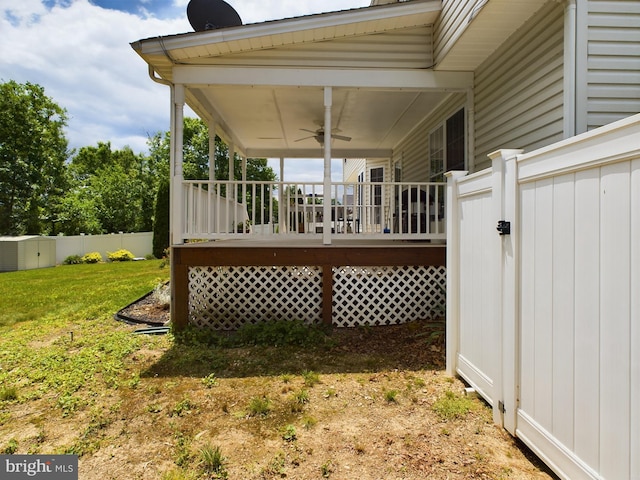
[(196, 162), (161, 220), (121, 185), (33, 150)]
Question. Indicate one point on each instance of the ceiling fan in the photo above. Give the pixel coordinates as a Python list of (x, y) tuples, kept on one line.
[(319, 135)]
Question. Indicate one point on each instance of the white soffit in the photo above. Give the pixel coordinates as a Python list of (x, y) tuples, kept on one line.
[(487, 28)]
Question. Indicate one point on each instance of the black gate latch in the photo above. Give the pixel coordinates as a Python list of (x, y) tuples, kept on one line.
[(504, 227)]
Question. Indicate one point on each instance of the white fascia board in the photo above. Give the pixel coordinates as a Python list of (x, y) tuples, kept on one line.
[(423, 11), (422, 80)]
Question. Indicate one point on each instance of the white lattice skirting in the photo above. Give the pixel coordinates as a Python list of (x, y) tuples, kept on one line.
[(225, 298)]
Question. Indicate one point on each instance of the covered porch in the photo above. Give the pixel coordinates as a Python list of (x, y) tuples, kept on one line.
[(342, 85)]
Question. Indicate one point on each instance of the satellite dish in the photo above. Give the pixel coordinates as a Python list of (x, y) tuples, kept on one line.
[(211, 14)]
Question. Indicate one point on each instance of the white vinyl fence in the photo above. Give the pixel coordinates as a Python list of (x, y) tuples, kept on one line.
[(544, 320), (139, 244)]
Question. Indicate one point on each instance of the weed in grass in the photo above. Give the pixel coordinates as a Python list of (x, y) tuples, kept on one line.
[(359, 448), (8, 394), (289, 433), (182, 454), (331, 392), (178, 475), (259, 406), (69, 404), (310, 378), (286, 378), (210, 381), (11, 448), (213, 462), (134, 381), (326, 469), (309, 422), (154, 408), (452, 406), (390, 396), (275, 467), (301, 397), (183, 407)]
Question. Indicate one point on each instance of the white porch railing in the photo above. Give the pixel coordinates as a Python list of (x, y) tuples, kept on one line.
[(223, 209)]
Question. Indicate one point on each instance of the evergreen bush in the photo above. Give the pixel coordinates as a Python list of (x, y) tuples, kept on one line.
[(161, 220)]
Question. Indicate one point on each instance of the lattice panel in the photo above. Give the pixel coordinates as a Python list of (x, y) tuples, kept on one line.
[(387, 295), (225, 298)]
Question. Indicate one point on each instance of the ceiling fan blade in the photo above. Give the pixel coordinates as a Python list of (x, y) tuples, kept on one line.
[(304, 138), (341, 137)]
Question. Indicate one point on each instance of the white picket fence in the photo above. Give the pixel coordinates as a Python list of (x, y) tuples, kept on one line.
[(139, 244), (545, 321)]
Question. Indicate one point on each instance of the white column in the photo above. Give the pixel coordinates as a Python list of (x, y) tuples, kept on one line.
[(282, 208), (213, 211), (176, 220), (212, 151), (326, 225), (232, 155)]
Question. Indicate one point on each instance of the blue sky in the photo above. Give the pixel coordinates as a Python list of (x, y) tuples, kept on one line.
[(79, 51)]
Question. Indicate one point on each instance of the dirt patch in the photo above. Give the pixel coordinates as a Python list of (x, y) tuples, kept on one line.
[(363, 405)]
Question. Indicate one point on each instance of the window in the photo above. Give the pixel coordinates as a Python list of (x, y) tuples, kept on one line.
[(447, 146)]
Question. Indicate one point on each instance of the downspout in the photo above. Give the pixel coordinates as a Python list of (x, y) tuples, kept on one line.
[(570, 68), (162, 81)]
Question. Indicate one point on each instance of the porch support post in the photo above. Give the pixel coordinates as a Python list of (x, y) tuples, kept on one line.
[(282, 212), (244, 180), (326, 211), (212, 151), (212, 178), (176, 145), (179, 305)]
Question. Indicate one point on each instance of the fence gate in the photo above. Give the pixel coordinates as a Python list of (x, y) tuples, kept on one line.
[(543, 312)]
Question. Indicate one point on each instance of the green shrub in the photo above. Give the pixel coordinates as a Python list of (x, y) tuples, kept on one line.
[(161, 220), (73, 260), (93, 257), (121, 255)]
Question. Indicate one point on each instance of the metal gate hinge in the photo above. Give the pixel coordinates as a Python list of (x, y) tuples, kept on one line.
[(501, 407)]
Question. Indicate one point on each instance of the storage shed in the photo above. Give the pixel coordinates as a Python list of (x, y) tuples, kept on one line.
[(26, 252)]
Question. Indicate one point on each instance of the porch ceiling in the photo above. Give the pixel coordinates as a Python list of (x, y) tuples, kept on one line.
[(264, 94)]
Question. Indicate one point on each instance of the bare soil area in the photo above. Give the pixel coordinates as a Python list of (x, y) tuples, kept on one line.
[(368, 404)]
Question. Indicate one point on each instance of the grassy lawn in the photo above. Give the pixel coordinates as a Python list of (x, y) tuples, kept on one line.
[(274, 402)]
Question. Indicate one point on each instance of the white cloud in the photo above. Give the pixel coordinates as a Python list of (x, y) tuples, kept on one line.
[(80, 54)]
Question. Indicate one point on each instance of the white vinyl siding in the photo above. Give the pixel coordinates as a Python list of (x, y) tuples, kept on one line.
[(451, 23), (414, 150), (613, 61), (404, 48), (519, 89)]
